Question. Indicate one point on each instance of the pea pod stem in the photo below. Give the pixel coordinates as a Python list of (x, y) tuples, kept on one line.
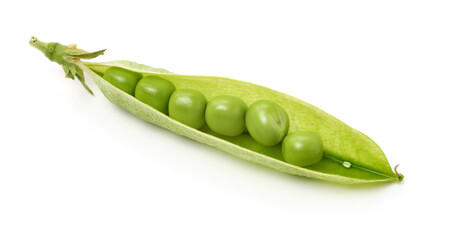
[(67, 57)]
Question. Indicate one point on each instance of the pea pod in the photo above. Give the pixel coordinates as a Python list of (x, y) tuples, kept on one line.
[(349, 156)]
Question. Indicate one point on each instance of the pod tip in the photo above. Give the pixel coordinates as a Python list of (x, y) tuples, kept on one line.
[(400, 176)]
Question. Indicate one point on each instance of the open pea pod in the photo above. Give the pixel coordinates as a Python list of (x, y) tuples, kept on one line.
[(349, 155)]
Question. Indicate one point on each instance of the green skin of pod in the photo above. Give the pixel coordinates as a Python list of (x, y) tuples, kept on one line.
[(302, 148), (155, 91), (123, 79), (225, 115), (188, 107), (267, 122)]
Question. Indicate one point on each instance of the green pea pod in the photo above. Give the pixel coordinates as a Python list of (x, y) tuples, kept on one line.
[(349, 155)]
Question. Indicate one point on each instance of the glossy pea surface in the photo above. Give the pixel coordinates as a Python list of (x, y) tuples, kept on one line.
[(302, 148), (267, 122), (188, 107), (122, 78), (155, 91), (225, 115)]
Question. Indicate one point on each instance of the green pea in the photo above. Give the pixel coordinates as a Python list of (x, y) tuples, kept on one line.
[(122, 78), (267, 122), (155, 91), (302, 148), (188, 107), (225, 115)]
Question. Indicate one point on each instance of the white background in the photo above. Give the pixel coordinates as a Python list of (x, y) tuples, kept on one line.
[(73, 166)]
